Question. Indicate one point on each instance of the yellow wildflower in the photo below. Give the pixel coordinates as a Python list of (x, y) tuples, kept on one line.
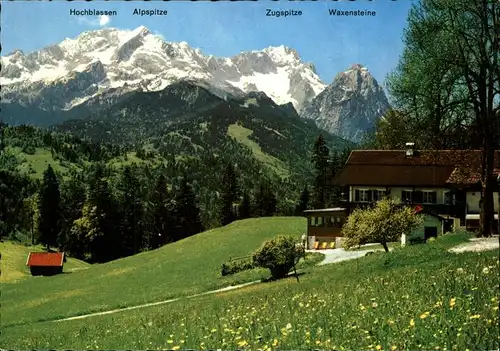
[(379, 347), (424, 315), (390, 321), (486, 270), (170, 341), (275, 342), (412, 323), (476, 316), (176, 348), (452, 302), (393, 347), (242, 343)]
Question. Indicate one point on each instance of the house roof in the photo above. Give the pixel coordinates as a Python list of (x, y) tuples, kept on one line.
[(425, 168), (47, 259)]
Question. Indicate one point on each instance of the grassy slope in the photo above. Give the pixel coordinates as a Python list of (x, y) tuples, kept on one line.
[(38, 162), (183, 268), (241, 134), (352, 305), (14, 261)]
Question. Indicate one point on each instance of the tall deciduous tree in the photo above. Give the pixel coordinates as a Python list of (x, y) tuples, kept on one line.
[(449, 77), (49, 208)]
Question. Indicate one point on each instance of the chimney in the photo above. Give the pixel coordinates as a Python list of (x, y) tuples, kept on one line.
[(409, 149)]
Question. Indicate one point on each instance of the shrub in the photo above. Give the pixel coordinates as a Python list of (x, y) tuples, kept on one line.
[(383, 223), (279, 255), (417, 240), (232, 267)]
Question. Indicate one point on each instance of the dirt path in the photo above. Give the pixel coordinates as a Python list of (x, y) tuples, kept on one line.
[(477, 245), (331, 256), (228, 288)]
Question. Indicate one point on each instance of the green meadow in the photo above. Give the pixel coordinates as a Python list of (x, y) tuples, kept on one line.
[(417, 297), (13, 263), (184, 268)]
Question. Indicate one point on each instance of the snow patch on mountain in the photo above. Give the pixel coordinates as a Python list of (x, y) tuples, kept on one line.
[(110, 58)]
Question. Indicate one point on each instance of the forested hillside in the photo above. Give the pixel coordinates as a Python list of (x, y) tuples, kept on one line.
[(104, 196)]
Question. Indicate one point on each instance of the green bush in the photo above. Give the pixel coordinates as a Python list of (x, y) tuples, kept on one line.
[(279, 255), (232, 267)]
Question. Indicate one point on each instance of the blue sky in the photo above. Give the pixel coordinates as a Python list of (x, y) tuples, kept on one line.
[(226, 28)]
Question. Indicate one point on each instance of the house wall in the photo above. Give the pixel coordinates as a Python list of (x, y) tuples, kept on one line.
[(473, 198), (429, 221), (396, 192)]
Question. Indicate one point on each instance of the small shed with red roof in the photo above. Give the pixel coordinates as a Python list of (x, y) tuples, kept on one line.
[(45, 263)]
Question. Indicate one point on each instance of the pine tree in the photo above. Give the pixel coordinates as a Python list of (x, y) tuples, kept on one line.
[(321, 184), (303, 202), (72, 201), (162, 232), (229, 195), (186, 212), (104, 243), (334, 190), (245, 207), (131, 212), (265, 201), (49, 208)]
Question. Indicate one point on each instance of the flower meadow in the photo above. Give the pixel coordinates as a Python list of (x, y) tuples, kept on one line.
[(416, 298)]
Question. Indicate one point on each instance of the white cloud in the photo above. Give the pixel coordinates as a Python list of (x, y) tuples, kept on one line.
[(159, 35), (99, 21), (104, 20)]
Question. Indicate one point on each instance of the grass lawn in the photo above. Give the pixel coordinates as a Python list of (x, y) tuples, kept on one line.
[(418, 297), (14, 258), (184, 268)]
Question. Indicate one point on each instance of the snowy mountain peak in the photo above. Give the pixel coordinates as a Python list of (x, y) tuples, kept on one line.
[(141, 60)]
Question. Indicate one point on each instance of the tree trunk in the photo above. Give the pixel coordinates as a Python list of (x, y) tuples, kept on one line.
[(487, 186), (498, 203), (385, 247)]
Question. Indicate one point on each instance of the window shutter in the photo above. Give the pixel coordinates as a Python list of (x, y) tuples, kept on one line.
[(356, 195), (433, 197), (370, 195)]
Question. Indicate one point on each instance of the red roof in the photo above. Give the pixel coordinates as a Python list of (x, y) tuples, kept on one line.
[(47, 259), (424, 168)]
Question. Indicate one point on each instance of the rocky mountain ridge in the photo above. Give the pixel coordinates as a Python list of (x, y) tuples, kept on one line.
[(350, 105)]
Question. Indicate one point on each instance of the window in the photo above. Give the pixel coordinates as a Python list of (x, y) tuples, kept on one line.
[(361, 195), (449, 198), (378, 194), (429, 197), (406, 196)]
